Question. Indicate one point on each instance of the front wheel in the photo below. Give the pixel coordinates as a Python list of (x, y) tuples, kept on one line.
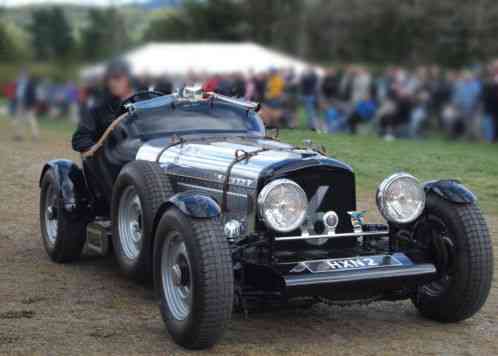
[(459, 241), (194, 277)]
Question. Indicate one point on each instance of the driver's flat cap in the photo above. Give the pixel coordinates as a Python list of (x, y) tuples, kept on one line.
[(118, 67)]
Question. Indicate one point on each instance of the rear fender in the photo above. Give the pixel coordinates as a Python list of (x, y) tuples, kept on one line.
[(450, 190), (70, 182)]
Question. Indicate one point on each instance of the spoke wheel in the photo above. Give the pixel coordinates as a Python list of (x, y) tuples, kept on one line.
[(50, 214), (63, 233), (176, 275), (130, 221)]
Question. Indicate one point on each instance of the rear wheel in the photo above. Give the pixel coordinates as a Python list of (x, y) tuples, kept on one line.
[(194, 278), (130, 223), (63, 233), (459, 239), (139, 191)]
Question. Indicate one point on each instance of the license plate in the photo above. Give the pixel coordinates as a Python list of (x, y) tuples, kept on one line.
[(347, 264)]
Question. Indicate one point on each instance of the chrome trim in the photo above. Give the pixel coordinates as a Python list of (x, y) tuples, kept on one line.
[(199, 178), (330, 228), (333, 267), (250, 105), (209, 161), (215, 157), (264, 194), (416, 270), (345, 258), (214, 190), (232, 230), (381, 190), (333, 236), (130, 223)]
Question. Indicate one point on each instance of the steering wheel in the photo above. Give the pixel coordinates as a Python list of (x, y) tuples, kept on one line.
[(141, 95)]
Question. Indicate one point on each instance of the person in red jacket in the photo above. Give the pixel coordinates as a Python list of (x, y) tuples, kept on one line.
[(9, 92)]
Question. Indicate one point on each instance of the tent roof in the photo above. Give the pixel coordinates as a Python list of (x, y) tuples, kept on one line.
[(203, 57)]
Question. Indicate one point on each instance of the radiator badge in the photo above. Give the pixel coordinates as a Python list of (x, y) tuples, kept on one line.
[(244, 182)]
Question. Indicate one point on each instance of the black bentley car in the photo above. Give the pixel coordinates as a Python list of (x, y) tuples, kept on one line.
[(187, 190)]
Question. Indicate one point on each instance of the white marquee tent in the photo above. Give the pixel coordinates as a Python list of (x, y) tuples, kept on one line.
[(178, 59)]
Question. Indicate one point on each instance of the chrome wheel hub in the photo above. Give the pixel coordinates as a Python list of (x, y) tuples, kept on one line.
[(176, 276), (130, 223)]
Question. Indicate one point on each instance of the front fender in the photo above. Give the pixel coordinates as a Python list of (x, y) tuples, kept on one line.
[(70, 182), (196, 205), (450, 190)]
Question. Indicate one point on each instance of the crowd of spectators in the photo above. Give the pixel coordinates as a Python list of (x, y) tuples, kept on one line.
[(394, 103), (407, 103)]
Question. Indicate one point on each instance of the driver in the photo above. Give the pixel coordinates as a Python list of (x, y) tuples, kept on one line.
[(97, 118)]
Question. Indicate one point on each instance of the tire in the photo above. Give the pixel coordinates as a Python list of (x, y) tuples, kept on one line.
[(151, 187), (63, 234), (209, 280), (464, 290)]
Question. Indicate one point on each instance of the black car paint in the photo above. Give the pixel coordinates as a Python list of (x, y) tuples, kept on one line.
[(71, 183), (451, 190), (260, 265), (196, 205), (168, 107)]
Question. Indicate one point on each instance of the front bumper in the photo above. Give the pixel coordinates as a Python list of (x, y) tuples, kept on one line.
[(378, 273)]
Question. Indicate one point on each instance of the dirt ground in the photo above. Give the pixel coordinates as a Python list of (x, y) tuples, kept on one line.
[(89, 308)]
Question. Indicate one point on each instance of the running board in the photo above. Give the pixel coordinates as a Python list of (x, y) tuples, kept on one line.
[(98, 236)]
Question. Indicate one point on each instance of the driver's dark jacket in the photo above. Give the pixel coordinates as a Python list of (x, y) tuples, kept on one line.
[(94, 121)]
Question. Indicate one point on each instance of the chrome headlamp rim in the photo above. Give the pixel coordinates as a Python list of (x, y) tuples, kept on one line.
[(384, 186), (263, 194)]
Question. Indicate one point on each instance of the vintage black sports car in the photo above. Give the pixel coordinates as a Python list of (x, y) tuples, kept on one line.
[(189, 191)]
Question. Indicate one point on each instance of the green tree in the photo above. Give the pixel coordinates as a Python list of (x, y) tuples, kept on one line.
[(266, 22), (278, 23), (63, 42), (7, 47), (105, 35), (449, 32), (51, 34), (217, 20)]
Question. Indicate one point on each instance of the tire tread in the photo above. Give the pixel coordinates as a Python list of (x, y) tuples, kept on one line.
[(477, 274), (154, 184), (217, 283)]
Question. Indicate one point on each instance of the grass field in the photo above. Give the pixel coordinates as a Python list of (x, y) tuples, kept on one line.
[(475, 164)]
